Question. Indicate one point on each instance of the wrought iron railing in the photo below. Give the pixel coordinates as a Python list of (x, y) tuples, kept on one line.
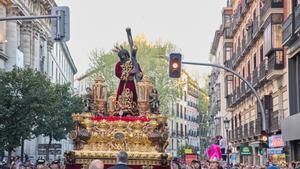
[(254, 77), (270, 4), (287, 28), (262, 70), (251, 128), (258, 126), (297, 18), (276, 60), (246, 131)]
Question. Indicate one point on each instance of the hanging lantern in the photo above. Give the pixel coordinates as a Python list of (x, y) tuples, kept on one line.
[(100, 96), (144, 89)]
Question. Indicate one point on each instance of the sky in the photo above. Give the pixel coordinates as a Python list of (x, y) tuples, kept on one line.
[(189, 24)]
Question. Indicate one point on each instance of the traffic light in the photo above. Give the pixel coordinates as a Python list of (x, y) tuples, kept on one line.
[(264, 141), (60, 30), (175, 65)]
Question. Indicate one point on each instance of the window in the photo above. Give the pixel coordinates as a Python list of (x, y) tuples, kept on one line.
[(294, 84), (254, 61), (181, 130), (249, 69), (177, 109), (261, 53), (42, 58), (268, 39), (181, 111)]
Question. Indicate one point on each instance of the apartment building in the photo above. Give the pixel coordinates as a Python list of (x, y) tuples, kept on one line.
[(252, 32), (291, 41)]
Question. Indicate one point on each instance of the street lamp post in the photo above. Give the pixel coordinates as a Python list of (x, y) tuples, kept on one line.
[(226, 125)]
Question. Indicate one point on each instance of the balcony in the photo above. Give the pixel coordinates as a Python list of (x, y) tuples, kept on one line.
[(234, 97), (243, 45), (297, 18), (243, 89), (249, 35), (258, 126), (228, 33), (240, 132), (249, 80), (246, 131), (275, 64), (251, 129), (237, 18), (238, 93), (255, 27), (254, 77), (287, 29), (262, 71), (268, 5), (245, 5), (229, 100), (236, 135), (274, 125)]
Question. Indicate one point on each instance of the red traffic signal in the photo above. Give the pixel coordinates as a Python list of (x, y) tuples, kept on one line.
[(264, 139), (175, 65)]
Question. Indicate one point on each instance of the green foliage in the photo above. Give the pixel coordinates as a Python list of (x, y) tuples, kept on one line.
[(22, 100), (30, 105), (153, 61), (181, 150), (203, 102)]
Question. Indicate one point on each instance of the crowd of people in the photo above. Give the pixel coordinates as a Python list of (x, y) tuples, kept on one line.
[(40, 164), (122, 160)]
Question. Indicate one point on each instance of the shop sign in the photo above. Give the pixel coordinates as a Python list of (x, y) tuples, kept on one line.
[(276, 141), (272, 151), (188, 151), (246, 150)]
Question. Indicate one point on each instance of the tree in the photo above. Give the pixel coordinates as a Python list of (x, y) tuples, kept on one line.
[(203, 103), (30, 105), (154, 63), (56, 122), (22, 99)]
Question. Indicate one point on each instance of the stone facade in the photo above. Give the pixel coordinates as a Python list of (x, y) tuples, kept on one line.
[(28, 44), (184, 117), (253, 48), (291, 41)]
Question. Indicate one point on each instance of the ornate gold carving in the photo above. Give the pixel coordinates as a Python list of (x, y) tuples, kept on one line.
[(126, 69), (131, 136), (125, 104)]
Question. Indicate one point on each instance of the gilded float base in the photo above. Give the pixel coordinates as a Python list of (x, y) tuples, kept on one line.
[(109, 158)]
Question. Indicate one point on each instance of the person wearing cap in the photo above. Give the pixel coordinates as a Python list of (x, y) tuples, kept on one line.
[(55, 165), (215, 155), (40, 164)]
